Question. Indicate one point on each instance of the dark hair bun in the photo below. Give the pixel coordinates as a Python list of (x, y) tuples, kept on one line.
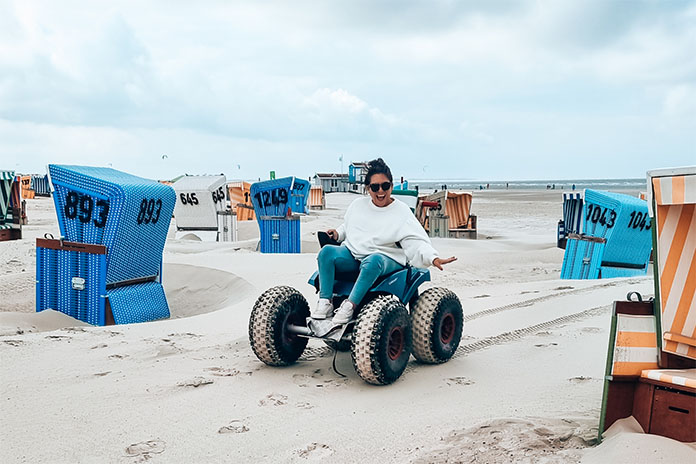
[(377, 166)]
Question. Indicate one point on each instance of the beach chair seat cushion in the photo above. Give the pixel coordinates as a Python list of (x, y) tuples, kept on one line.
[(676, 377)]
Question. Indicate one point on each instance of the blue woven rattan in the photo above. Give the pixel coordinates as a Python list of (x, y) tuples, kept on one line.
[(138, 303), (582, 259), (275, 197), (629, 239), (621, 220), (300, 196), (55, 271), (133, 228), (280, 235)]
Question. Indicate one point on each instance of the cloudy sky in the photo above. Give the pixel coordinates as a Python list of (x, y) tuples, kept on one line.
[(498, 90)]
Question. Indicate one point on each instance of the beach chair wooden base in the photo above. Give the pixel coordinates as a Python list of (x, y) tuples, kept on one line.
[(663, 408), (10, 234), (663, 401), (463, 233)]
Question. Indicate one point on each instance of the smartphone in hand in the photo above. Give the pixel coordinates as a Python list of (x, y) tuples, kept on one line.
[(325, 239)]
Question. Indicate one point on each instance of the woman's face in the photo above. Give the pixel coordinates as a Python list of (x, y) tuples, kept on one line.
[(381, 197)]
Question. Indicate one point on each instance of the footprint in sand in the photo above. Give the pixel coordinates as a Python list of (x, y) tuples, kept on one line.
[(73, 329), (274, 399), (564, 287), (579, 379), (222, 372), (303, 380), (316, 451), (333, 383), (102, 374), (304, 405), (544, 345), (118, 356), (591, 329), (146, 449), (196, 382), (235, 426), (482, 296), (13, 342), (102, 345), (58, 337), (459, 381)]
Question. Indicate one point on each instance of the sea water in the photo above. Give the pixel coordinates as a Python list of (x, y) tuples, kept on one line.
[(552, 184)]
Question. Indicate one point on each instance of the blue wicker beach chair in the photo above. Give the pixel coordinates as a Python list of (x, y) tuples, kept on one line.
[(273, 202), (107, 267), (616, 241)]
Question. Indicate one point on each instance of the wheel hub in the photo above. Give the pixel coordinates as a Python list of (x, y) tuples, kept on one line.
[(395, 345), (447, 328)]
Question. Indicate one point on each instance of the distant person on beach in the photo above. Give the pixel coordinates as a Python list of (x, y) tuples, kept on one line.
[(379, 236)]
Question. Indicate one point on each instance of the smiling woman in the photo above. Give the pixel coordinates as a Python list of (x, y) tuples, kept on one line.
[(379, 236)]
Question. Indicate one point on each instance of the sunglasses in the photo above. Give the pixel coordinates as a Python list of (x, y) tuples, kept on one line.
[(385, 186)]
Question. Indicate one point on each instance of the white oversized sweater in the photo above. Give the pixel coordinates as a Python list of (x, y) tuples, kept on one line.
[(369, 229)]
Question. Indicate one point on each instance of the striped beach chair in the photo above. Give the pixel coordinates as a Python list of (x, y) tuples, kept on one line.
[(572, 217), (12, 212), (663, 397), (663, 401), (40, 185), (317, 199), (106, 268), (240, 200), (199, 199), (672, 199), (452, 206)]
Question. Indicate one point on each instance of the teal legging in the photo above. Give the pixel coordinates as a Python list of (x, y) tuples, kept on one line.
[(334, 258)]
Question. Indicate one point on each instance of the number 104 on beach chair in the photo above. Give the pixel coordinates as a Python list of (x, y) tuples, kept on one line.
[(106, 268)]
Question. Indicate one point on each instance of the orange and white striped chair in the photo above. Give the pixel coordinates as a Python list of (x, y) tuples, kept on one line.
[(317, 199), (679, 377), (632, 349), (240, 200), (635, 345), (672, 203)]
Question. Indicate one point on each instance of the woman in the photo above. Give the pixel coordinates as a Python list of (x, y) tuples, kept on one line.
[(378, 236)]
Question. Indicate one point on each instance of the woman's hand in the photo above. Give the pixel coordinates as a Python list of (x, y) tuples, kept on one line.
[(333, 233), (438, 262)]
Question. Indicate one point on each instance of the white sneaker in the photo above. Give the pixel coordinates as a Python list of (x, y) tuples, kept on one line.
[(344, 313), (323, 310)]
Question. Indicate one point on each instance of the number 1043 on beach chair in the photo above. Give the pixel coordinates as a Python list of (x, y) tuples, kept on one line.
[(107, 266)]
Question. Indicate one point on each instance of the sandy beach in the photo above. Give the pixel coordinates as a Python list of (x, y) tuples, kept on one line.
[(524, 386)]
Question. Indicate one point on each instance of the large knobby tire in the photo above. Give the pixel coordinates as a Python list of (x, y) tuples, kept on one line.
[(381, 341), (270, 339), (438, 323)]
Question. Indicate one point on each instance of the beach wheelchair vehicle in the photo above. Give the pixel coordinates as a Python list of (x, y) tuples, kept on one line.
[(382, 334)]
